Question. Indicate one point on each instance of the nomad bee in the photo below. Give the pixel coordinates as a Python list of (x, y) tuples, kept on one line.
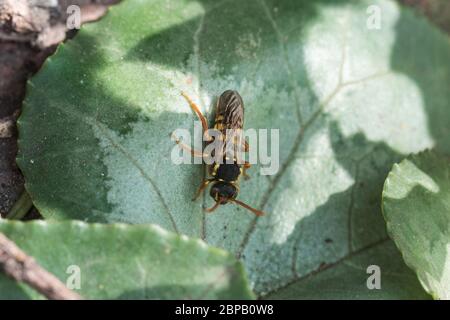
[(225, 174)]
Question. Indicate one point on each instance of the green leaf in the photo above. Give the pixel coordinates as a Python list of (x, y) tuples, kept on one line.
[(333, 281), (416, 206), (349, 102), (120, 261)]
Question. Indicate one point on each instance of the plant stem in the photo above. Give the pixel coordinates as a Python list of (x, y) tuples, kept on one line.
[(21, 207), (21, 267)]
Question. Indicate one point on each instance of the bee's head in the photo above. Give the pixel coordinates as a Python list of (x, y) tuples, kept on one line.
[(221, 192), (224, 192)]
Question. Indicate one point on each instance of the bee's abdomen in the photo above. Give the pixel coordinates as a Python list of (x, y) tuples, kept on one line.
[(220, 125)]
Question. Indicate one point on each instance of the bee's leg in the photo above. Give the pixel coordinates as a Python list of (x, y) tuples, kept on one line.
[(239, 151), (244, 171), (246, 146), (202, 187), (214, 207), (195, 153), (200, 116)]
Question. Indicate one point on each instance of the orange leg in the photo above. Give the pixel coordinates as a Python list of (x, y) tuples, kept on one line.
[(246, 146), (202, 187), (200, 116), (245, 168), (214, 207), (237, 152), (195, 153)]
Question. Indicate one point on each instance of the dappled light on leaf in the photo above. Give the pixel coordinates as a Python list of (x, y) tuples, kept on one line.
[(416, 204), (348, 101)]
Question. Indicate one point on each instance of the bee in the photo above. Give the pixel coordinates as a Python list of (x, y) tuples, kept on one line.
[(225, 175)]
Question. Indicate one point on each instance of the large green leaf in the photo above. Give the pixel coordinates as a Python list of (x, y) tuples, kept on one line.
[(333, 281), (416, 203), (349, 101), (126, 262)]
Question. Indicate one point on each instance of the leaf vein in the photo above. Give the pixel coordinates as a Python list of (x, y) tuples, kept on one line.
[(285, 55), (320, 269), (141, 170)]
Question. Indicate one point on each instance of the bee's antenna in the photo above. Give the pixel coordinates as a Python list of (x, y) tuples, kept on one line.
[(246, 206), (214, 207)]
